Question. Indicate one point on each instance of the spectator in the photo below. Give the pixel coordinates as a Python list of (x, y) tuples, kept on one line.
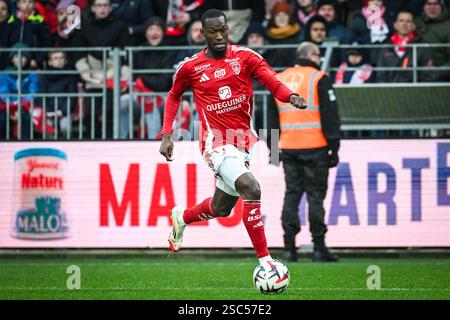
[(282, 29), (28, 27), (394, 6), (68, 25), (304, 10), (134, 13), (150, 82), (336, 31), (316, 31), (401, 56), (9, 85), (5, 14), (364, 73), (434, 27), (328, 10), (178, 15), (193, 38), (240, 14), (309, 143), (59, 82), (101, 30), (370, 27), (255, 38)]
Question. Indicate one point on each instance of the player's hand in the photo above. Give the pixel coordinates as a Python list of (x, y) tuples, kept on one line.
[(297, 101), (166, 148)]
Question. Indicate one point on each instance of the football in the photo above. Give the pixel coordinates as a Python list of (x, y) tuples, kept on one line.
[(271, 277)]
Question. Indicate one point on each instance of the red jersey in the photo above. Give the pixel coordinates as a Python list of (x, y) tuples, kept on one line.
[(223, 95)]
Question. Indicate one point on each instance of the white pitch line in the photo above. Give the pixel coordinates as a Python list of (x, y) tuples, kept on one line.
[(221, 288), (105, 262), (146, 263)]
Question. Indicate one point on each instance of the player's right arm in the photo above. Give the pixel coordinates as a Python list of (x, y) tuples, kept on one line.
[(179, 86), (263, 73)]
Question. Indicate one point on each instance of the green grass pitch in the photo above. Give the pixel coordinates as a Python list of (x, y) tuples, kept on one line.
[(183, 277)]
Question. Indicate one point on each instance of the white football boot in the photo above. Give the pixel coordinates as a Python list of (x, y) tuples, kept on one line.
[(178, 226)]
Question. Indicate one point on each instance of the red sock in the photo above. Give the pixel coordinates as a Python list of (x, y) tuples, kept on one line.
[(251, 216), (199, 212)]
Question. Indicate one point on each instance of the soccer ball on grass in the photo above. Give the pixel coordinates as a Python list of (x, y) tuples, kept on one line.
[(271, 277)]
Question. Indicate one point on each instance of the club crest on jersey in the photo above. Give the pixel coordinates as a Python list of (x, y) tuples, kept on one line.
[(235, 66), (219, 73), (224, 92)]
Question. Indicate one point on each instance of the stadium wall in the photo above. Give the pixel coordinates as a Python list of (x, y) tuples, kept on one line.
[(384, 193)]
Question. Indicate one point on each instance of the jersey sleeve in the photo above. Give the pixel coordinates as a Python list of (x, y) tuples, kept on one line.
[(264, 74), (180, 84)]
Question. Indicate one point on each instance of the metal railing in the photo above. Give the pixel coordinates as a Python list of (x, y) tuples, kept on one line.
[(108, 122)]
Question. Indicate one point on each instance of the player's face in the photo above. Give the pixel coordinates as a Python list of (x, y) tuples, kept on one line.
[(216, 34)]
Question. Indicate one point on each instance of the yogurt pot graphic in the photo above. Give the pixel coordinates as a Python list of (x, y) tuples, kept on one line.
[(39, 211)]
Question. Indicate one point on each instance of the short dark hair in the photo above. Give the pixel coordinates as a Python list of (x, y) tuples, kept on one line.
[(212, 13), (155, 20), (404, 10)]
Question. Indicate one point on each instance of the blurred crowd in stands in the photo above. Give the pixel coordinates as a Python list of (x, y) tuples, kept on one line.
[(151, 23)]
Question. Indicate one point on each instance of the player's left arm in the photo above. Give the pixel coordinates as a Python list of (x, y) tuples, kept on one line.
[(263, 73)]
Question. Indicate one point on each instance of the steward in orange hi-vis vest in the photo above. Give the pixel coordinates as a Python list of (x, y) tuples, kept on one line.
[(301, 129), (309, 144)]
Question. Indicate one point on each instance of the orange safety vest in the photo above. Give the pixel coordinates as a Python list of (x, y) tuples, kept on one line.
[(301, 129)]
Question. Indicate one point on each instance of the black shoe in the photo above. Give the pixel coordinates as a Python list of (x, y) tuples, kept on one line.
[(324, 256), (290, 256)]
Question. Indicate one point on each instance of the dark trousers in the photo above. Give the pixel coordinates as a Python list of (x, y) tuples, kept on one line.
[(306, 171)]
